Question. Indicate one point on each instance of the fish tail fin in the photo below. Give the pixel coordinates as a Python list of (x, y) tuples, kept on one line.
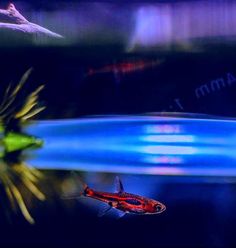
[(73, 187), (83, 186)]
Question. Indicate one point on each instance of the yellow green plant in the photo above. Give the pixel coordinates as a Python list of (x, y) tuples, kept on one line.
[(15, 112)]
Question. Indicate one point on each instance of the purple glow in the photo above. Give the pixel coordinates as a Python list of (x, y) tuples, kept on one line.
[(159, 24), (137, 25), (162, 128), (184, 150), (153, 25), (163, 159), (168, 138)]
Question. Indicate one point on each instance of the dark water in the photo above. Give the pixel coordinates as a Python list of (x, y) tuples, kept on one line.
[(198, 214), (151, 90)]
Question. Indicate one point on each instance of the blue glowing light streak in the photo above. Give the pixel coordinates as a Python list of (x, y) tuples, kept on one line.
[(138, 145)]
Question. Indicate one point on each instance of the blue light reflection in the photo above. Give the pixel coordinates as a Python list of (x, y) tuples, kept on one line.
[(139, 145)]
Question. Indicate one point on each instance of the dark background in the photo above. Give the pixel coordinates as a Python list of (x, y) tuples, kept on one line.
[(199, 214), (70, 93)]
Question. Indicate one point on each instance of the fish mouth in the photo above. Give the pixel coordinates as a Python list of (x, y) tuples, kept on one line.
[(160, 208)]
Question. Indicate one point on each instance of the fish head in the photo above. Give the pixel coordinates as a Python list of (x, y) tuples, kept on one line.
[(159, 207), (154, 207)]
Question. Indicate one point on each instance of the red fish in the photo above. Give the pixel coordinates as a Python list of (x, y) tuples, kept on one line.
[(122, 201), (125, 67)]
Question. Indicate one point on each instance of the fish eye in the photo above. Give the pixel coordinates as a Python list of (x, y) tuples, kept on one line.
[(159, 208)]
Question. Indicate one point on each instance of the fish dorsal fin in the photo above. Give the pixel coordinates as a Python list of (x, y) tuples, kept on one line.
[(118, 185)]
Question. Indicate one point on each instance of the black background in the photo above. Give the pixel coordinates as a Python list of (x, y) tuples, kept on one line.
[(198, 214)]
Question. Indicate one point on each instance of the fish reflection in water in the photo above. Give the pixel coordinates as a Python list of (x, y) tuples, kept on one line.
[(125, 67), (119, 69)]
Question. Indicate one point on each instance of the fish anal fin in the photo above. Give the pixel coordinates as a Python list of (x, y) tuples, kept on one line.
[(118, 185), (104, 209), (120, 214)]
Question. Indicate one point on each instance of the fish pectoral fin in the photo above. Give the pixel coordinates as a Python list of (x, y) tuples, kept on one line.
[(118, 185), (103, 210)]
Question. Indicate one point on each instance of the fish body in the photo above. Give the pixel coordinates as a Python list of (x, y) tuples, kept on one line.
[(124, 67), (123, 201), (126, 202)]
